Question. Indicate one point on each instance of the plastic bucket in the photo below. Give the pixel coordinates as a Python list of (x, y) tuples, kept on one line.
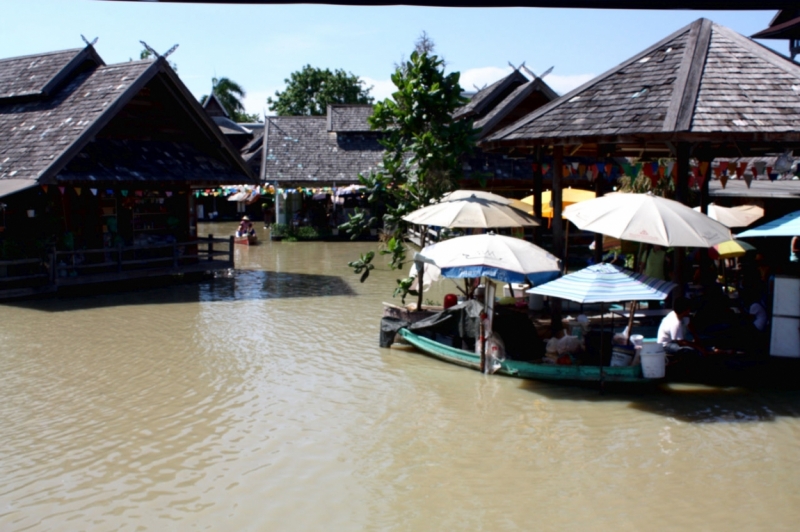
[(619, 359), (637, 340), (654, 361)]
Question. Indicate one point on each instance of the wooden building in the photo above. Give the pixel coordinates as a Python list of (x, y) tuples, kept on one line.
[(784, 26), (97, 166), (702, 92)]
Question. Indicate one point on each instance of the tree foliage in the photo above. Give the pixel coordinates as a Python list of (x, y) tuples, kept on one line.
[(230, 95), (309, 91), (424, 149)]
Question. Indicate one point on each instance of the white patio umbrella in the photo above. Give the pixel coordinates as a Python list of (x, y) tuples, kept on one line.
[(482, 194), (649, 219), (503, 258), (740, 216), (497, 257), (470, 212)]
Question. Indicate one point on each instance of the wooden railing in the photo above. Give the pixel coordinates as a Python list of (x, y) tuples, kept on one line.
[(122, 262)]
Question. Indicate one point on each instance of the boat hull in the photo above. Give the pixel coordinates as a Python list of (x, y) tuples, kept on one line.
[(525, 370), (251, 240)]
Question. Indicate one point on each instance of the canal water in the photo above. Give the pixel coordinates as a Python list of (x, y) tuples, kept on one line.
[(261, 401)]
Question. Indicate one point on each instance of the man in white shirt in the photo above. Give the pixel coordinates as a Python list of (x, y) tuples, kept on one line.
[(671, 332)]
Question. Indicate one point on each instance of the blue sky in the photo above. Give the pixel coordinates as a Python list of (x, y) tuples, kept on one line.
[(259, 46)]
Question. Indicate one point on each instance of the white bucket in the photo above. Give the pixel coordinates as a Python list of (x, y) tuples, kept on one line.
[(637, 340), (620, 359), (654, 360)]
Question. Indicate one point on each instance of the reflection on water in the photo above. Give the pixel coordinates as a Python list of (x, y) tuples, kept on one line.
[(251, 402)]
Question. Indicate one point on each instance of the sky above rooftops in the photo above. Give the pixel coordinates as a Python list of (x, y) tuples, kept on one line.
[(259, 46)]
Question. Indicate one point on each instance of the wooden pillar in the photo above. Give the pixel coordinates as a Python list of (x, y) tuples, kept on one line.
[(537, 195), (681, 195), (558, 229), (598, 238)]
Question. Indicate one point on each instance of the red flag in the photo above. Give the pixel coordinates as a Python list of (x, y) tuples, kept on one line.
[(723, 180)]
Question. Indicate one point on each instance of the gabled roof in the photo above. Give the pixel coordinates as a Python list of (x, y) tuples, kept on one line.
[(785, 25), (484, 98), (214, 107), (300, 149), (39, 75), (491, 119), (46, 131), (349, 117), (704, 79)]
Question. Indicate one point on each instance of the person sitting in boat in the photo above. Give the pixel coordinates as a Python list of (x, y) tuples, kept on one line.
[(245, 227), (672, 331)]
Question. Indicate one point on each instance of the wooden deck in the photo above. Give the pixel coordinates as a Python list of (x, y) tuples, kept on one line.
[(33, 277)]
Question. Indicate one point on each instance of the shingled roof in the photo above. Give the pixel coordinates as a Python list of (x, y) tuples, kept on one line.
[(704, 82), (301, 150), (71, 100), (349, 118)]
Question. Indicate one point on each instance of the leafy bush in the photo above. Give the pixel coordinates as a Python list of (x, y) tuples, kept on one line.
[(278, 230), (307, 233)]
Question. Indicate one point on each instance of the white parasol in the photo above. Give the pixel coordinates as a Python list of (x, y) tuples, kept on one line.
[(470, 212), (482, 194), (740, 216), (649, 219)]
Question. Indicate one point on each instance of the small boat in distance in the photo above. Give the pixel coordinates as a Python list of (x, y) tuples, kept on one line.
[(250, 240)]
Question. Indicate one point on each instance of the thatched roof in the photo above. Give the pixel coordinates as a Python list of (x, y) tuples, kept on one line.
[(57, 109), (703, 83)]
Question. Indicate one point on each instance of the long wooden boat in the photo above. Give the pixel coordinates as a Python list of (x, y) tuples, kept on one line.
[(250, 240), (525, 370)]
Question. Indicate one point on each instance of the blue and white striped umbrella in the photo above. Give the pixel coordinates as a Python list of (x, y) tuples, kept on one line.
[(605, 283), (788, 225)]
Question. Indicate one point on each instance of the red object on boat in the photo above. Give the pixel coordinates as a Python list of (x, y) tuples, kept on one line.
[(450, 300)]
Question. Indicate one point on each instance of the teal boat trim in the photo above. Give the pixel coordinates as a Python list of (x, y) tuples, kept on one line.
[(525, 370)]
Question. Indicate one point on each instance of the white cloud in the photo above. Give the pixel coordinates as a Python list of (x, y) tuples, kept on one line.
[(256, 101), (484, 76), (564, 84), (381, 88)]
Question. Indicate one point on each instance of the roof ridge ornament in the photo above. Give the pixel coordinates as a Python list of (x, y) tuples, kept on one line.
[(152, 51), (87, 40)]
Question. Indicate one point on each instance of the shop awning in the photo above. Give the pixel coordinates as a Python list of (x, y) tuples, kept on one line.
[(10, 186)]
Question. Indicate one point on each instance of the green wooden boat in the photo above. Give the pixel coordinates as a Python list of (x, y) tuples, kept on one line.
[(525, 370)]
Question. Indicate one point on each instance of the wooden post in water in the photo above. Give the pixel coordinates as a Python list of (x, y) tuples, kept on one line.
[(230, 250), (537, 195), (558, 237)]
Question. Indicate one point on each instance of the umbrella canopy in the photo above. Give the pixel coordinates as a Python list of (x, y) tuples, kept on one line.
[(568, 197), (730, 249), (470, 212), (482, 194), (649, 219), (788, 225), (498, 257), (604, 283), (239, 196), (740, 216)]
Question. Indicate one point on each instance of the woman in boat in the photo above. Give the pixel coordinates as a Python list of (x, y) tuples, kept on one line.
[(245, 227)]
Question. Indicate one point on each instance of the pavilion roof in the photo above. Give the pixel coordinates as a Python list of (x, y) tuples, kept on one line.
[(704, 82)]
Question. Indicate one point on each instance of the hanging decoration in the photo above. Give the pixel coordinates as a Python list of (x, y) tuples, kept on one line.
[(78, 191), (44, 187), (124, 193), (723, 180), (62, 189), (748, 177), (94, 191)]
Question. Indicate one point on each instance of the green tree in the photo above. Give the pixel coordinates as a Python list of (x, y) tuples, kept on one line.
[(147, 54), (309, 91), (424, 150), (230, 94)]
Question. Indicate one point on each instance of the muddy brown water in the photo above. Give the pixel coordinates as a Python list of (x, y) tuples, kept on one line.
[(263, 402)]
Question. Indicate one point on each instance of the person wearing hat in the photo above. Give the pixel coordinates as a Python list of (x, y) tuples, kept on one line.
[(245, 227)]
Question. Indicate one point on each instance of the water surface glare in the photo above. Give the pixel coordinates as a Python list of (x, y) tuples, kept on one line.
[(263, 402)]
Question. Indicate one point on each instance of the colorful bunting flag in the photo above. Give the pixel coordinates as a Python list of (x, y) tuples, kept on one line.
[(62, 189), (94, 191), (748, 177), (723, 180), (78, 191)]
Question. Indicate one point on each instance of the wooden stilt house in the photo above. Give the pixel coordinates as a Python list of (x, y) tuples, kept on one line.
[(97, 166)]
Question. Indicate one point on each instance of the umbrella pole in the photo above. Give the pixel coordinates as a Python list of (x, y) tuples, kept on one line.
[(423, 234), (634, 306)]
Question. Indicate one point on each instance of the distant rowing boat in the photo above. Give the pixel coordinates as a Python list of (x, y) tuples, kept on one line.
[(250, 240)]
